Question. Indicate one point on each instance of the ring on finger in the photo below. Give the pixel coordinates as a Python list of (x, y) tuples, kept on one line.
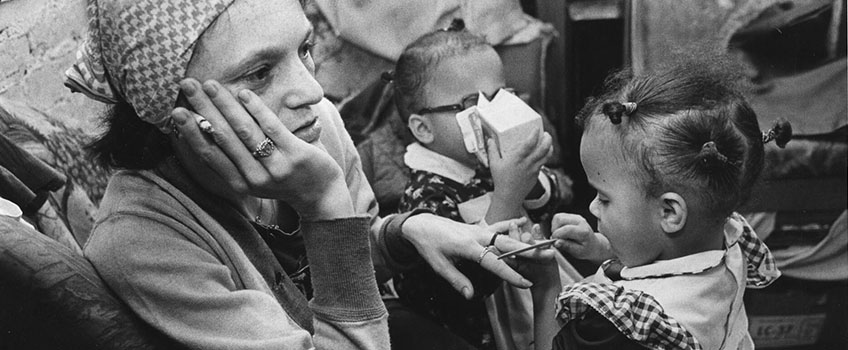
[(492, 241), (486, 250), (264, 148)]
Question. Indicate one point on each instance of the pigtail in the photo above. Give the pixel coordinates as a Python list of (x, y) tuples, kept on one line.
[(614, 110), (781, 133), (710, 157)]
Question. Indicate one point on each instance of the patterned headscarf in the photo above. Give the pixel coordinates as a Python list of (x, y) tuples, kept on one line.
[(138, 51)]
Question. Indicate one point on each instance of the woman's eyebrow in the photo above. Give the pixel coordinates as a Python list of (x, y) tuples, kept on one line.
[(268, 53)]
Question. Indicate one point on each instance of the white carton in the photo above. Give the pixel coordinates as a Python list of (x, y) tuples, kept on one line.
[(508, 120)]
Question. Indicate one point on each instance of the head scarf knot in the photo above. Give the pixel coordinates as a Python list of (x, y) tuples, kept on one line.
[(138, 51)]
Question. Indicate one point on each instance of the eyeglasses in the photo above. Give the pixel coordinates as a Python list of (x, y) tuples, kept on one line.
[(467, 102)]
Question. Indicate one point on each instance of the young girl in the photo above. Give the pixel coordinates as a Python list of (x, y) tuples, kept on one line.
[(671, 154)]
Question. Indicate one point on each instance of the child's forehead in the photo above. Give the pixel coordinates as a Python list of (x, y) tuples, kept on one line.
[(602, 151), (467, 68)]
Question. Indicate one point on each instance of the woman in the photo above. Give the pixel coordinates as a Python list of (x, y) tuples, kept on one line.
[(207, 234)]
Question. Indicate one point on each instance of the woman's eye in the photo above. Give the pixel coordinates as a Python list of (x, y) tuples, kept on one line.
[(259, 74), (306, 49)]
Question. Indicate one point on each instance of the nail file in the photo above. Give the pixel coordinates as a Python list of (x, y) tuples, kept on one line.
[(540, 244)]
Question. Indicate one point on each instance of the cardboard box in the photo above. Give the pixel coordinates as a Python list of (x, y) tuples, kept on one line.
[(508, 120)]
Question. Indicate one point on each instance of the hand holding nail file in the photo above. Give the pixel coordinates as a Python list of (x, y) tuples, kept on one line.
[(538, 245), (506, 119)]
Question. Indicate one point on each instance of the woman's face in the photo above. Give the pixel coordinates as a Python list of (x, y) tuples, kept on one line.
[(264, 46)]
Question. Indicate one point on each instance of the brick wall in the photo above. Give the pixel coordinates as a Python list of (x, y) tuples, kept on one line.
[(38, 42)]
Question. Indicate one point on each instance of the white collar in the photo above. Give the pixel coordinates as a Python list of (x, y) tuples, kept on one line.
[(689, 264), (418, 157), (684, 265)]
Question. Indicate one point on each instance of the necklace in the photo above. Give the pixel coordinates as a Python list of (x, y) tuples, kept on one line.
[(258, 218)]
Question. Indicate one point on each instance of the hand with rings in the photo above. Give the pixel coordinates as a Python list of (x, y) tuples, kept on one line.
[(486, 250), (441, 241), (247, 145)]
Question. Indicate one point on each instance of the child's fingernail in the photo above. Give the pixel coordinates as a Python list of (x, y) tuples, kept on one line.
[(210, 88), (466, 293), (188, 87), (526, 283), (244, 96)]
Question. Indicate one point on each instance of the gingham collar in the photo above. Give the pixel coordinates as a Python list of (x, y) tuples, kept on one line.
[(418, 157)]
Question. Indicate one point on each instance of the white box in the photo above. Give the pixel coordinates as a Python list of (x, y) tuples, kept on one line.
[(508, 120)]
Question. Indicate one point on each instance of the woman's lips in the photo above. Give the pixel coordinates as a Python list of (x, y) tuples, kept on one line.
[(309, 132)]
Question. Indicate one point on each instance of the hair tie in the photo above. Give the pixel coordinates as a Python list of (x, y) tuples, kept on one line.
[(629, 107), (709, 149), (781, 133), (387, 77), (768, 136), (614, 110)]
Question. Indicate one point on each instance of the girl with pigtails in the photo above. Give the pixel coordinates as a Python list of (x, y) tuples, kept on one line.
[(672, 155)]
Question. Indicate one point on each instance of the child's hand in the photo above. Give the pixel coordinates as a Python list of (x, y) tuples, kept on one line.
[(544, 273), (538, 266), (576, 238), (515, 174)]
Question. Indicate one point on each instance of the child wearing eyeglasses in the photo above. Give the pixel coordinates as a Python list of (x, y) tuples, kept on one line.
[(436, 77)]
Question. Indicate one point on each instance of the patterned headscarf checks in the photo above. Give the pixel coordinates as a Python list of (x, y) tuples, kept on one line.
[(138, 51)]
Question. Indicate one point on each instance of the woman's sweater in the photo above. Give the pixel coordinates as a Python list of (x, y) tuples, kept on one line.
[(191, 266)]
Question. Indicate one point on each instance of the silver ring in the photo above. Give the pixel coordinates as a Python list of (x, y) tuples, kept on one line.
[(486, 250), (264, 148)]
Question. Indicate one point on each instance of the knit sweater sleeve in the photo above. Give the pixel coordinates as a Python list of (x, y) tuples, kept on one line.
[(349, 313)]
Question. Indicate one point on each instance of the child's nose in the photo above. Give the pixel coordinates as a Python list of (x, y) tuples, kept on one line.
[(594, 207)]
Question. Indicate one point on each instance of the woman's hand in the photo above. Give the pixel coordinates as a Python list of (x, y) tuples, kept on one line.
[(440, 241), (301, 174), (515, 174), (576, 238)]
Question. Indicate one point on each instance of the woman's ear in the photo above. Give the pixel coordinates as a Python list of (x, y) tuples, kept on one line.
[(674, 212), (420, 128)]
